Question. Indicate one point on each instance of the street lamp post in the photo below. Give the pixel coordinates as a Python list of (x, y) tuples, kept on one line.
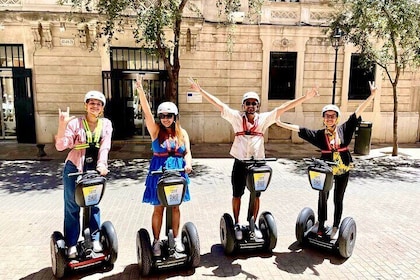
[(336, 42)]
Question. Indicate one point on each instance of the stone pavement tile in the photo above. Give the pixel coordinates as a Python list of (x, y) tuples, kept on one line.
[(383, 207)]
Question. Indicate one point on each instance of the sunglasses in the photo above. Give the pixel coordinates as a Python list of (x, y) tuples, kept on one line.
[(327, 116), (95, 103), (248, 103), (167, 116)]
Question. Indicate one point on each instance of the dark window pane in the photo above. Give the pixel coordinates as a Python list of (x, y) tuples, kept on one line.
[(360, 75), (11, 56), (282, 81)]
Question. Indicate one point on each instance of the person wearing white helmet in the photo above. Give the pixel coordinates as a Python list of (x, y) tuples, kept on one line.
[(89, 141), (249, 127), (171, 150), (333, 140)]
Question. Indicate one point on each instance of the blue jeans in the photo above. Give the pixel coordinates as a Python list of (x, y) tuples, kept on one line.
[(72, 210)]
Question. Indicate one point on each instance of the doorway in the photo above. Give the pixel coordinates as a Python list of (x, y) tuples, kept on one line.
[(7, 107), (123, 106)]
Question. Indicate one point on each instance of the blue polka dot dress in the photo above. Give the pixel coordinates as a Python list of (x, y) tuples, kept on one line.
[(170, 156)]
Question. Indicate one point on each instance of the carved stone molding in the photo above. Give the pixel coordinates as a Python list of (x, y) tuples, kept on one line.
[(283, 43), (81, 30), (93, 29), (188, 36), (36, 33), (188, 40), (46, 35)]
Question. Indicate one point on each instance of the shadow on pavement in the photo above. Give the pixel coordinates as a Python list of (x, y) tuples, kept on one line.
[(387, 168), (299, 259), (20, 176), (131, 272), (224, 266), (46, 273)]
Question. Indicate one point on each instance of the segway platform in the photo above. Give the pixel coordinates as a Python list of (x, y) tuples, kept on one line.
[(321, 179)]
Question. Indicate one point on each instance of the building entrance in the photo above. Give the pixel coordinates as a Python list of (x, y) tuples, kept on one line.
[(17, 106), (8, 118), (124, 107)]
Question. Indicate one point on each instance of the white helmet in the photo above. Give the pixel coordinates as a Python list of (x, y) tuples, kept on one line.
[(331, 107), (167, 107), (250, 95), (93, 94)]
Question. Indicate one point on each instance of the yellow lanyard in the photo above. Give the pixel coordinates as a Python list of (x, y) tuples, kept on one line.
[(97, 135)]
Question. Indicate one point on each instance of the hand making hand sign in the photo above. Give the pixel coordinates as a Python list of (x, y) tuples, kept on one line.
[(372, 87), (64, 117)]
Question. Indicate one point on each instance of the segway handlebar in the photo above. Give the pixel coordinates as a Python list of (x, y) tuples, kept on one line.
[(161, 171), (254, 160), (319, 162), (82, 173)]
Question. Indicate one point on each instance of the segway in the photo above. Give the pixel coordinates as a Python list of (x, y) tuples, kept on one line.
[(90, 187), (171, 191), (258, 179), (321, 179)]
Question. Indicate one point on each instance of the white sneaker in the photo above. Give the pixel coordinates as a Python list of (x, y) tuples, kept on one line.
[(179, 246), (72, 252), (238, 232), (334, 233), (97, 246), (258, 233), (156, 248)]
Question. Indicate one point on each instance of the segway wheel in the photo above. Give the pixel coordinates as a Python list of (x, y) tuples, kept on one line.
[(109, 241), (58, 251), (347, 237), (191, 243), (227, 234), (144, 252), (305, 221), (268, 227)]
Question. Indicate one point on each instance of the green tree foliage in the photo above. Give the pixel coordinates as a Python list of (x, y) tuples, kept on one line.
[(156, 25), (387, 32)]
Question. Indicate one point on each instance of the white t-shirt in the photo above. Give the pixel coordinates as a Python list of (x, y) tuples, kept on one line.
[(247, 146)]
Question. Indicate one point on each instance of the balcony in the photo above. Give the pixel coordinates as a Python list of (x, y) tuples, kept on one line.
[(309, 12)]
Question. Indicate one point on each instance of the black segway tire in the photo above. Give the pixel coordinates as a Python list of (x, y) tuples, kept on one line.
[(58, 259), (144, 252), (347, 237), (109, 242), (268, 227), (305, 221), (227, 234), (191, 243)]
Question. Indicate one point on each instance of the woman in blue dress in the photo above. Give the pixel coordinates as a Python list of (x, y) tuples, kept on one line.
[(171, 150)]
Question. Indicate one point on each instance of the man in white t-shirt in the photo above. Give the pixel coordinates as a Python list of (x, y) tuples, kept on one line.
[(249, 127)]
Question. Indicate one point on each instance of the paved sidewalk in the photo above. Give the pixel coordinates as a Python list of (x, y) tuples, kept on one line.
[(10, 150), (382, 196)]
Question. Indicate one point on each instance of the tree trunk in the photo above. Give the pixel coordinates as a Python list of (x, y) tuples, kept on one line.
[(172, 86), (395, 131)]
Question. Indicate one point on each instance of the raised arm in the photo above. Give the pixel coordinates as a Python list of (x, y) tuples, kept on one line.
[(292, 127), (151, 125), (293, 103), (209, 97), (365, 103)]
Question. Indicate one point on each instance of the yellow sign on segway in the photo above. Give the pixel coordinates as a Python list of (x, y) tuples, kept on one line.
[(173, 194), (92, 194)]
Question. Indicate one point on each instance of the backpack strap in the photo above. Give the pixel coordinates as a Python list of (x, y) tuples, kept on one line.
[(89, 140), (247, 131)]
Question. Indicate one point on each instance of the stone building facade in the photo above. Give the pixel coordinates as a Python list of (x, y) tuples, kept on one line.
[(64, 61)]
